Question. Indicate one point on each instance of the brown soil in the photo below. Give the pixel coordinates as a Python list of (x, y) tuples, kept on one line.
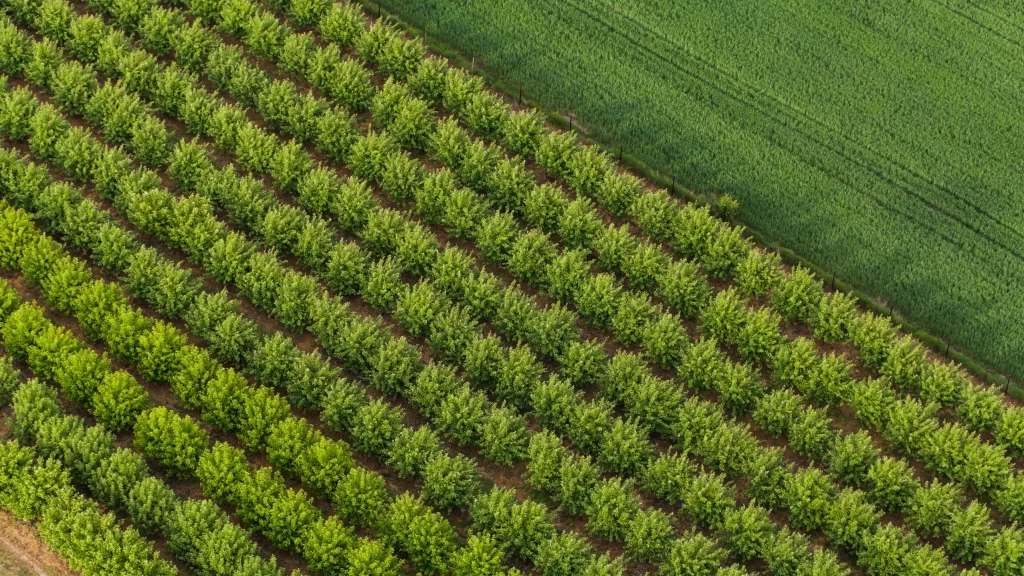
[(23, 552)]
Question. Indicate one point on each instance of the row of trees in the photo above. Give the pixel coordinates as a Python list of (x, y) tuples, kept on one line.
[(67, 451), (834, 318), (263, 424), (441, 469), (93, 542), (797, 296)]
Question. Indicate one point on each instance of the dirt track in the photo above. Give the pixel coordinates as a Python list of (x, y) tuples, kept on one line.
[(23, 553)]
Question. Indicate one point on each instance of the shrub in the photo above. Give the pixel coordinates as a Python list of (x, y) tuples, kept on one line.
[(759, 273), (522, 131), (708, 501), (797, 295), (503, 436), (909, 423), (777, 411), (221, 472), (384, 284), (9, 381), (891, 483), (613, 246), (554, 401), (786, 552), (871, 401), (449, 482), (613, 505), (530, 256), (461, 415), (980, 408), (1004, 554), (417, 308), (943, 384), (564, 554), (372, 558), (693, 555), (749, 529), (224, 399), (481, 555), (233, 339), (905, 364), (836, 313), (725, 250), (932, 506), (832, 381), (625, 448), (1009, 430), (739, 388), (808, 495), (72, 85), (78, 375), (811, 434), (702, 365), (522, 527), (327, 545), (412, 450), (724, 316), (150, 506), (375, 426), (577, 478), (885, 551), (424, 535), (1010, 498), (158, 352), (822, 563), (176, 442), (634, 315), (287, 439), (848, 518), (668, 476), (579, 225), (361, 497), (545, 459), (598, 299), (851, 457), (970, 530), (118, 401), (195, 369)]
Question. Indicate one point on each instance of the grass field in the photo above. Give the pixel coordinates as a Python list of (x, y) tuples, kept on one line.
[(876, 139)]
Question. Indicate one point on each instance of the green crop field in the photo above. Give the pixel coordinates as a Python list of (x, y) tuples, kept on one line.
[(880, 140)]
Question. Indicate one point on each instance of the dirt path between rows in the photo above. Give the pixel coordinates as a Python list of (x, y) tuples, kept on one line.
[(23, 553)]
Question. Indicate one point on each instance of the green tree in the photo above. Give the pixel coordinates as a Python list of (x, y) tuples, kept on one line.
[(118, 401), (176, 442)]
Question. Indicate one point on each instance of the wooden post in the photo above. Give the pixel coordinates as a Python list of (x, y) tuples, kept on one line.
[(833, 280), (520, 93), (620, 153), (472, 65), (946, 354), (778, 246)]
